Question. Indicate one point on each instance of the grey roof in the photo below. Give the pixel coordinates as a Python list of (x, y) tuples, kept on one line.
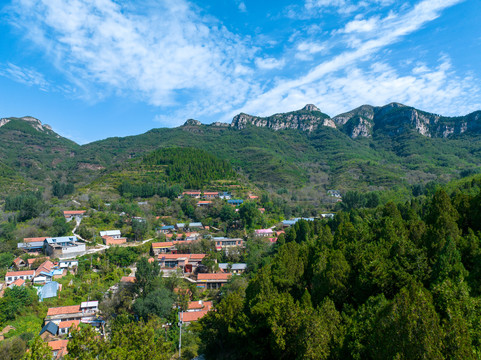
[(110, 233), (49, 290), (30, 245), (51, 327), (195, 224), (61, 239), (238, 266)]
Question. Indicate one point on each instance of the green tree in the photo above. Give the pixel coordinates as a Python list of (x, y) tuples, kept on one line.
[(408, 328), (38, 350), (249, 214)]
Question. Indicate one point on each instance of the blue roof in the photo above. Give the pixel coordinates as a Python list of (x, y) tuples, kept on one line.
[(51, 327), (49, 290), (235, 201), (167, 227)]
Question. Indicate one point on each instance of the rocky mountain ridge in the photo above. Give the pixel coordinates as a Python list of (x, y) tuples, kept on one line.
[(392, 119)]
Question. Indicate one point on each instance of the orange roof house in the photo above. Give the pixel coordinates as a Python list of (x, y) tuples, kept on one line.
[(109, 240), (63, 310), (188, 317)]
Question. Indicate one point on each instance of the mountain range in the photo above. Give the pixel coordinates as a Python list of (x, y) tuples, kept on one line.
[(368, 148)]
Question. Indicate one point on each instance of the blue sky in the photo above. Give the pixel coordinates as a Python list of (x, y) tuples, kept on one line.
[(99, 68)]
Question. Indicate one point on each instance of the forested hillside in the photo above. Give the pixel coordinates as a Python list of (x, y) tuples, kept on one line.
[(398, 282)]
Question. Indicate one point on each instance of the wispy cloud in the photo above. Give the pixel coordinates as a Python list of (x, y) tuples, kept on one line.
[(269, 63), (26, 76), (164, 54), (327, 76), (190, 66)]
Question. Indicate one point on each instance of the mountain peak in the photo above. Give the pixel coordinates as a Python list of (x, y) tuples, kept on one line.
[(34, 122), (310, 107), (192, 122)]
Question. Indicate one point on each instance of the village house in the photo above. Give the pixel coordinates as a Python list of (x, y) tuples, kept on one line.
[(188, 317), (49, 331), (187, 262), (59, 348), (32, 245), (264, 232), (163, 247), (204, 203), (116, 234), (199, 305), (195, 311), (26, 275), (196, 226), (193, 194), (18, 282), (63, 247), (211, 195), (65, 326), (166, 229), (32, 261), (74, 214), (46, 272), (68, 264), (49, 290), (225, 243), (84, 312), (19, 263), (237, 269), (180, 226), (212, 281), (225, 196), (110, 241), (235, 202)]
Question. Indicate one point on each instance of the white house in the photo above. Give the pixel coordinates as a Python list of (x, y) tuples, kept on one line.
[(112, 233)]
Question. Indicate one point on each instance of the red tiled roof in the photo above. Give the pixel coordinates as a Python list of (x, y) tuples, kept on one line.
[(58, 344), (127, 279), (191, 193), (74, 212), (34, 239), (63, 310), (214, 276), (204, 202), (162, 244), (18, 282), (180, 256), (194, 305), (193, 315), (46, 266), (20, 273), (32, 260), (67, 324), (211, 193)]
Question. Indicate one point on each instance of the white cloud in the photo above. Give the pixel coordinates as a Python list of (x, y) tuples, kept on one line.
[(269, 63), (164, 53), (190, 66), (291, 94), (242, 7), (357, 26), (26, 76)]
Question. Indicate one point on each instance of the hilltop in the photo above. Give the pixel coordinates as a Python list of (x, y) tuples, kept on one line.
[(304, 152)]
